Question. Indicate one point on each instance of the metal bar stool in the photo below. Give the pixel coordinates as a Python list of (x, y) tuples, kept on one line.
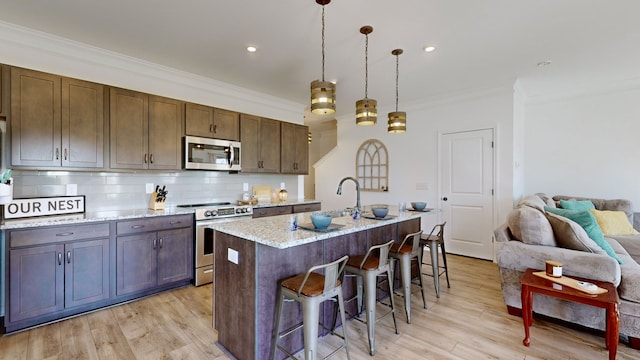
[(435, 238), (368, 268), (406, 252), (310, 290)]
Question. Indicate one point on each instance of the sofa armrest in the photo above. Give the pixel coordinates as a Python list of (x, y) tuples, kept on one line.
[(519, 256)]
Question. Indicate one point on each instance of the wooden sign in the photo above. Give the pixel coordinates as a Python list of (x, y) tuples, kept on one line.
[(34, 207)]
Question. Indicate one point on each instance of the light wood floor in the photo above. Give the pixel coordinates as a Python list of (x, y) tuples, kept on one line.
[(469, 321)]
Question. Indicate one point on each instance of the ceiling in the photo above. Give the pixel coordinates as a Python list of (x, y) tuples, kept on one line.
[(480, 44)]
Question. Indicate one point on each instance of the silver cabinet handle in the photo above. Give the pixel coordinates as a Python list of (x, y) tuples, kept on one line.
[(137, 226), (211, 128), (68, 257), (151, 159), (57, 154), (145, 158), (155, 243), (65, 233), (59, 258), (176, 222), (161, 242), (65, 153)]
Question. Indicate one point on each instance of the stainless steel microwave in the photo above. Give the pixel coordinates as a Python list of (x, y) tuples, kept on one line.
[(211, 154)]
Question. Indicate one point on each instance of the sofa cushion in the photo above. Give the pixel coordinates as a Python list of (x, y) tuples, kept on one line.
[(630, 243), (604, 204), (548, 200), (530, 226), (629, 280), (614, 222), (581, 205), (570, 235), (533, 201)]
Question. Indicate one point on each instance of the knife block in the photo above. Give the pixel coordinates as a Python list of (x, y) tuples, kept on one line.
[(155, 205)]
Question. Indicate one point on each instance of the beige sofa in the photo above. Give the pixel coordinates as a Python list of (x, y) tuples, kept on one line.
[(531, 236)]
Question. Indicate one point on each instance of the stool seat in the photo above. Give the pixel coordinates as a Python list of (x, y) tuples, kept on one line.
[(401, 249), (313, 287), (371, 262)]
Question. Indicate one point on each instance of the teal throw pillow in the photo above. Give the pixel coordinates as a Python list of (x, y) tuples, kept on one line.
[(588, 222), (580, 205)]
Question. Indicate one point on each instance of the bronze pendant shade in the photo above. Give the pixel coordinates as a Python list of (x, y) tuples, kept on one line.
[(323, 93), (398, 119), (366, 109)]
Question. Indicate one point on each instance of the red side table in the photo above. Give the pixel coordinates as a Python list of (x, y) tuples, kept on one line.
[(609, 301)]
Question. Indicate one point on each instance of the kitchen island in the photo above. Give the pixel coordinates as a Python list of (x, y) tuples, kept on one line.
[(253, 255)]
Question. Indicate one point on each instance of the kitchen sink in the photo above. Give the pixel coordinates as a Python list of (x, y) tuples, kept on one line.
[(339, 212)]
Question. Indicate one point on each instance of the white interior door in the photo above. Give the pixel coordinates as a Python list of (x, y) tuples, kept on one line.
[(466, 168)]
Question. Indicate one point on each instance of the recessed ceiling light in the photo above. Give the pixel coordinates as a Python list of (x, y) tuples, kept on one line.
[(429, 48), (251, 49), (544, 63)]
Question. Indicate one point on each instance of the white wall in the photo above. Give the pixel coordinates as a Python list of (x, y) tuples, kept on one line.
[(413, 156), (585, 146)]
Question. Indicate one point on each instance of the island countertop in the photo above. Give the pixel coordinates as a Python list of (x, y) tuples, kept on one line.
[(272, 231)]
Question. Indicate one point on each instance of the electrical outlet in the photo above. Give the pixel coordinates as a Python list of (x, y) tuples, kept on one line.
[(149, 188), (281, 185), (232, 255), (245, 186)]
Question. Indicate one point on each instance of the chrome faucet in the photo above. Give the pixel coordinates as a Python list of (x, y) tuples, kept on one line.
[(339, 192)]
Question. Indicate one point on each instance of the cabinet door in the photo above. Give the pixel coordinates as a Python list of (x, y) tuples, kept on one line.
[(249, 138), (165, 133), (36, 281), (4, 92), (129, 123), (198, 120), (295, 149), (82, 124), (35, 120), (175, 255), (270, 145), (226, 125), (135, 263), (86, 274), (302, 149)]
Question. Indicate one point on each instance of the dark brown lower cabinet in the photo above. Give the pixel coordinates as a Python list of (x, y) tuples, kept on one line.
[(149, 259), (47, 279), (54, 272)]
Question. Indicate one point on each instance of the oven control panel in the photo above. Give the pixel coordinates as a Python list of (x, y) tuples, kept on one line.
[(223, 212)]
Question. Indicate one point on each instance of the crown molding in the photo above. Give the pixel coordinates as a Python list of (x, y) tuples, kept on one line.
[(28, 48)]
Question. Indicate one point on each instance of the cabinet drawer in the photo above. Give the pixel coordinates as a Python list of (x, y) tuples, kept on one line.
[(49, 235), (271, 211), (306, 207), (153, 224)]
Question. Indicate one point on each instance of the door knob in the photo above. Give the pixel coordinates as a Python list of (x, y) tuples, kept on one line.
[(445, 198)]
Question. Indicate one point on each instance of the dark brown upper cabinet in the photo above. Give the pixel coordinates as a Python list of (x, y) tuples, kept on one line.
[(206, 121)]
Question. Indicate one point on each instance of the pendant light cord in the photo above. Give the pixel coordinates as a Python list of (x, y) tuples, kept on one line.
[(397, 75), (366, 65), (322, 42)]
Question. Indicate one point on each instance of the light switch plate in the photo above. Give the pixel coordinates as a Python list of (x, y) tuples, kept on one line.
[(232, 256), (149, 188)]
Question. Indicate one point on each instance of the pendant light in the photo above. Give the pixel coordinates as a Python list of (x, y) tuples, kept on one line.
[(397, 119), (323, 93), (366, 112)]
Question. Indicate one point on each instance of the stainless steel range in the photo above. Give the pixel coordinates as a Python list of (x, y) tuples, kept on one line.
[(205, 215)]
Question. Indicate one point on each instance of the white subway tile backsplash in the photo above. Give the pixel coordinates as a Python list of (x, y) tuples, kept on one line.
[(106, 191)]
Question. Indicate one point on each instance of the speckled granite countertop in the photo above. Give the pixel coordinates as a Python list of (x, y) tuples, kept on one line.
[(272, 231), (91, 217)]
